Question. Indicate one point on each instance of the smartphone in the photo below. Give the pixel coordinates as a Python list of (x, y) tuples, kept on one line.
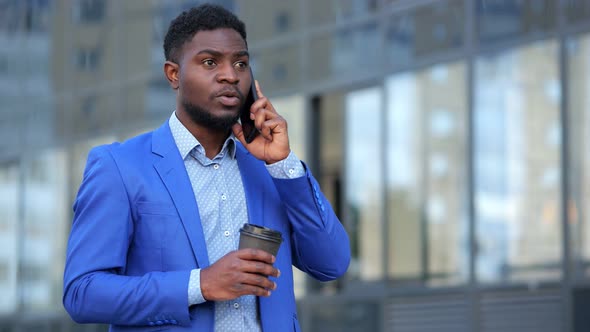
[(250, 131)]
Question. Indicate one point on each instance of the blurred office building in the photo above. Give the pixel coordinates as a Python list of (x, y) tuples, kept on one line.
[(452, 138)]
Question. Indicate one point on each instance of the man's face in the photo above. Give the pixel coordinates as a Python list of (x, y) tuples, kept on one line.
[(214, 77)]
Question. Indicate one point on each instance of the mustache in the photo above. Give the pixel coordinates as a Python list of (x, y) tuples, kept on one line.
[(228, 91)]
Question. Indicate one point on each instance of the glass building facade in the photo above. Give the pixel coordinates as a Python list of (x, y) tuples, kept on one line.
[(451, 136)]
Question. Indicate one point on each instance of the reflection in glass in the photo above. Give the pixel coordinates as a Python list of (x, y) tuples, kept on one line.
[(577, 11), (277, 68), (517, 155), (352, 50), (88, 11), (364, 195), (578, 53), (506, 19), (9, 206), (326, 12), (292, 109), (280, 17), (426, 175), (425, 31), (45, 230), (328, 115)]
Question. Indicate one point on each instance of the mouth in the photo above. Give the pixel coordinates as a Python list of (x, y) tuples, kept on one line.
[(229, 98)]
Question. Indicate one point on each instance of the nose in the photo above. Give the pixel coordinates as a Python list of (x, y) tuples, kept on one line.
[(227, 73)]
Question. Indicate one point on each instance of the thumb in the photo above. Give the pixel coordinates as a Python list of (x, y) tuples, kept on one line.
[(239, 133)]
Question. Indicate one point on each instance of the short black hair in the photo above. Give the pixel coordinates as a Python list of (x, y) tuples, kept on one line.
[(205, 17)]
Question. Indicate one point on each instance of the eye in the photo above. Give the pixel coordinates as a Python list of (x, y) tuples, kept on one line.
[(241, 65), (209, 63)]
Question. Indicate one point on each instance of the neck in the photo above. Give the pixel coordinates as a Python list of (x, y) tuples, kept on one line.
[(211, 139)]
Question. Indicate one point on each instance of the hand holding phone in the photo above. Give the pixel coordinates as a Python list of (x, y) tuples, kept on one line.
[(273, 144), (248, 127)]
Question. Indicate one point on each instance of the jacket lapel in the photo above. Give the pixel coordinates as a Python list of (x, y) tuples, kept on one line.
[(173, 173), (251, 182)]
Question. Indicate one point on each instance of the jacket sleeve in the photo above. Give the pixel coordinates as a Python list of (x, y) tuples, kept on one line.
[(320, 243), (95, 287)]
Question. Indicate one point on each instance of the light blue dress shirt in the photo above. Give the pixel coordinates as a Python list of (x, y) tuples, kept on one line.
[(219, 193)]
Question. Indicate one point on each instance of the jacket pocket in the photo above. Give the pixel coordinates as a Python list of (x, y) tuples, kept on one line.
[(155, 225), (156, 208)]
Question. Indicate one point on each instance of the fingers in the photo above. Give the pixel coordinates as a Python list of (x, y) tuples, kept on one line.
[(262, 102), (241, 272), (268, 123), (258, 281), (253, 254), (239, 133), (271, 127), (260, 268), (247, 289), (258, 90)]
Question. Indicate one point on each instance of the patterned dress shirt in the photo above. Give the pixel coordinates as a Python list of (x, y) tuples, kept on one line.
[(219, 193)]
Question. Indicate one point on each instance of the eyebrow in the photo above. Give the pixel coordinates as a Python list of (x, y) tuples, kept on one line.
[(218, 54)]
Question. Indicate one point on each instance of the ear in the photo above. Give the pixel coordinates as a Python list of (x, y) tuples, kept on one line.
[(171, 70)]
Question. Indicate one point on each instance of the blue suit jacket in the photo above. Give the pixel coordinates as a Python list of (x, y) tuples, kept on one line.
[(137, 234)]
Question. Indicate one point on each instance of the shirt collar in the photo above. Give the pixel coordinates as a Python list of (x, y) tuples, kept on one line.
[(186, 142)]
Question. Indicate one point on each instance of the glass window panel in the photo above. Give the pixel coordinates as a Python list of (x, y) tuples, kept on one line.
[(39, 128), (91, 114), (136, 62), (328, 115), (364, 182), (280, 17), (425, 31), (577, 11), (160, 98), (345, 52), (331, 148), (426, 175), (25, 64), (517, 162), (578, 53), (45, 230), (293, 110), (507, 19), (89, 11), (9, 206), (277, 68), (327, 12)]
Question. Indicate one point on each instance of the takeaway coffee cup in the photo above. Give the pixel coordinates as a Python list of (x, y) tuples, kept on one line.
[(254, 236)]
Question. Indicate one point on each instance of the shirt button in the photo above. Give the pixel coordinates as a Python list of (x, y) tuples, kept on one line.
[(226, 233), (236, 305), (216, 166), (291, 171), (223, 197)]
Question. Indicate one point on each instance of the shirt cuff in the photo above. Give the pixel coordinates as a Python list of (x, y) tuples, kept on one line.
[(195, 296), (288, 168)]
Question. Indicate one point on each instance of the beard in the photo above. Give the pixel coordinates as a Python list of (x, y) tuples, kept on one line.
[(206, 118)]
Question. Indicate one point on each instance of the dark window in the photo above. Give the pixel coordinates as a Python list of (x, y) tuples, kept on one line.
[(283, 22), (425, 31), (88, 59), (506, 19), (89, 10)]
